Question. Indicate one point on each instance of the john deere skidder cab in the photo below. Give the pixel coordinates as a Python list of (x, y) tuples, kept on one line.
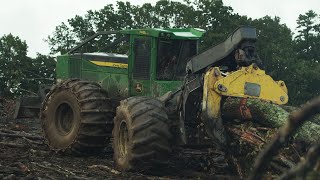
[(154, 96)]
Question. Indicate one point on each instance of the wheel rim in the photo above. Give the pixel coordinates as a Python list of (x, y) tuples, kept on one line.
[(123, 138), (64, 118)]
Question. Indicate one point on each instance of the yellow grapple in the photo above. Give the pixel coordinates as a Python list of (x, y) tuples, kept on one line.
[(247, 82)]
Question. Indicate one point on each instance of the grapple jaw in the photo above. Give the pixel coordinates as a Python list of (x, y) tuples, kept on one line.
[(247, 82), (251, 82)]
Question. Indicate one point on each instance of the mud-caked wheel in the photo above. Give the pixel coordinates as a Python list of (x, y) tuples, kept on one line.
[(77, 116), (141, 136)]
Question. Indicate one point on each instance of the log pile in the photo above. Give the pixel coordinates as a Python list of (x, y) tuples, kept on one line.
[(272, 116), (249, 133), (295, 121)]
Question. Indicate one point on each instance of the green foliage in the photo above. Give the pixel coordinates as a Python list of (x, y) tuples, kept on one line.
[(14, 61), (20, 74), (63, 39), (274, 44), (42, 71), (308, 38), (306, 67)]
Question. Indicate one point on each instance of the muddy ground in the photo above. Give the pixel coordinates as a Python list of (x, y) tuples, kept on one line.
[(24, 155)]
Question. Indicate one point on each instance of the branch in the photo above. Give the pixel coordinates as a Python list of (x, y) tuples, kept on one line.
[(21, 136), (105, 168), (305, 166), (295, 120), (247, 136), (33, 142), (58, 170), (12, 145)]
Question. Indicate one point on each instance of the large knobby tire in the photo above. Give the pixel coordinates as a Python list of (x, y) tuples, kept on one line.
[(141, 136), (77, 116)]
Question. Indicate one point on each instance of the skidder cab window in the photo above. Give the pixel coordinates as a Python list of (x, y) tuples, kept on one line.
[(173, 56)]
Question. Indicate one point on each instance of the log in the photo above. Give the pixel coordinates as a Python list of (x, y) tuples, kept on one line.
[(295, 121), (290, 109), (269, 115), (21, 136)]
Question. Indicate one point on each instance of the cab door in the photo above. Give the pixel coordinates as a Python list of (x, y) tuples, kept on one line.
[(140, 69)]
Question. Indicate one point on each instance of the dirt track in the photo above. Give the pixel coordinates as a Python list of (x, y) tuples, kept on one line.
[(24, 155)]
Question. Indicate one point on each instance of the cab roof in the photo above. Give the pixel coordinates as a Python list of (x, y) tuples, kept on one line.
[(168, 33)]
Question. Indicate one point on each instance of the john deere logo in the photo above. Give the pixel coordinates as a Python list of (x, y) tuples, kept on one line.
[(143, 32), (138, 87)]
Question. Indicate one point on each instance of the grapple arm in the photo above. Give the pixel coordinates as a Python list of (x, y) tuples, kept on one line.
[(243, 39)]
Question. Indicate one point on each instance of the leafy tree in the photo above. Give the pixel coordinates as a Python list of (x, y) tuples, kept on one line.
[(308, 38), (20, 74), (42, 71), (62, 40), (306, 69), (303, 82), (14, 61), (210, 15), (274, 44)]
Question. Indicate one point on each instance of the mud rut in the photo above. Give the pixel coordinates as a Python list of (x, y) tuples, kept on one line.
[(24, 155)]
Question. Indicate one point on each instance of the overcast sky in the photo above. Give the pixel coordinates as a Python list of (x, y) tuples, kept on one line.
[(34, 20)]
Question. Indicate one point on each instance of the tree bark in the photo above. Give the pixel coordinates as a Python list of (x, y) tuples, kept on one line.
[(251, 123), (290, 109), (295, 120), (269, 115)]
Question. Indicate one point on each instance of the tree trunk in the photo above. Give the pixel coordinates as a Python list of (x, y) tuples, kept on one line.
[(290, 109), (269, 115)]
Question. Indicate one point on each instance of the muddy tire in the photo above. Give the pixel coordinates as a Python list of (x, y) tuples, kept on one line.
[(77, 117), (141, 136)]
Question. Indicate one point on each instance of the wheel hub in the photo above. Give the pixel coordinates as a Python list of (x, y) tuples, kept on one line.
[(64, 118), (123, 138)]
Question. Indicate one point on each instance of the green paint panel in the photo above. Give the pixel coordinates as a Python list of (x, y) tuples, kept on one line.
[(186, 33), (162, 87), (140, 77)]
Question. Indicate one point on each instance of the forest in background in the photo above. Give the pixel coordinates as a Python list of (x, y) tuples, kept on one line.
[(291, 57)]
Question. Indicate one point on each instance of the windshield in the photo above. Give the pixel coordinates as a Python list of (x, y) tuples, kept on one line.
[(173, 56)]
